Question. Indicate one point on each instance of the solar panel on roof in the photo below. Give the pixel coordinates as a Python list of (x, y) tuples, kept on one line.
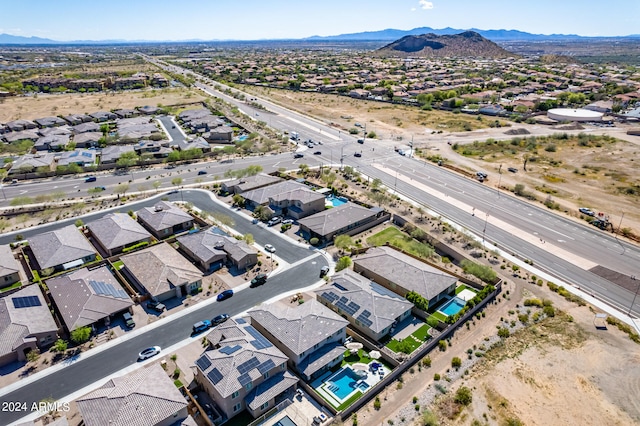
[(26, 302), (249, 365), (330, 296), (354, 305), (365, 313), (228, 350), (203, 362), (215, 376), (344, 299), (338, 286), (261, 342), (365, 321), (241, 321), (244, 379), (266, 366)]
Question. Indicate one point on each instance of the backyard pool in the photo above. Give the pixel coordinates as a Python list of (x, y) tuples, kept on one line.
[(344, 383), (452, 307), (242, 138), (336, 201)]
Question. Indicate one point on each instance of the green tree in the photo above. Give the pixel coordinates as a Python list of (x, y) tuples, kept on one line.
[(418, 300), (79, 223), (80, 335), (343, 263), (238, 200), (223, 218), (173, 156), (127, 159), (176, 181), (156, 184), (33, 355), (248, 238), (60, 345), (456, 362), (429, 419), (121, 189), (376, 184), (95, 190), (463, 396), (485, 273), (503, 332)]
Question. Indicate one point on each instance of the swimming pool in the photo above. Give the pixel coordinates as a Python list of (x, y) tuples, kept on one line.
[(344, 383), (453, 306), (242, 138), (336, 201)]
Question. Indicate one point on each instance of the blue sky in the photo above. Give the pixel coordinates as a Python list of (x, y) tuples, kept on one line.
[(272, 19)]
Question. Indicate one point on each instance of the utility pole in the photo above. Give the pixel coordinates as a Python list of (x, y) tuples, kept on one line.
[(499, 179), (619, 225), (633, 277)]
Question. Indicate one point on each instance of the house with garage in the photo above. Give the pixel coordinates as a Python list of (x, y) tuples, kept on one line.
[(86, 296), (286, 198), (348, 218), (161, 272), (10, 268), (402, 273), (62, 249), (115, 232), (212, 249), (311, 335), (370, 308), (243, 370), (249, 183), (146, 396), (164, 219), (31, 162), (26, 324)]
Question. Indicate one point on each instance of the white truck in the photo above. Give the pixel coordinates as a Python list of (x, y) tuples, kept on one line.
[(294, 136)]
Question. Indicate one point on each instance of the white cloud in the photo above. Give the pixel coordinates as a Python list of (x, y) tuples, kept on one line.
[(413, 9), (424, 4)]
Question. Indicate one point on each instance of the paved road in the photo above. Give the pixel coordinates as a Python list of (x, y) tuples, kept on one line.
[(95, 367)]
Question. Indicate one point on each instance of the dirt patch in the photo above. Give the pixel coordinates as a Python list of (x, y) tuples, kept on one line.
[(42, 105)]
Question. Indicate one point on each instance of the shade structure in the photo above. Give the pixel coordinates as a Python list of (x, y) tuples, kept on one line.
[(354, 346), (359, 366), (375, 354)]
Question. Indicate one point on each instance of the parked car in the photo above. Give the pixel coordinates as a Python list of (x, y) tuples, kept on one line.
[(217, 320), (255, 221), (317, 153), (149, 352), (269, 248), (259, 280), (90, 179), (324, 271), (201, 326), (224, 295), (482, 175), (298, 155), (361, 141), (513, 170), (202, 172), (357, 154), (128, 320), (287, 222), (274, 220), (587, 211), (156, 306)]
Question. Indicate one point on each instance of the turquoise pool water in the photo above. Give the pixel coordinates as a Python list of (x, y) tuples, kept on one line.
[(343, 383), (336, 201), (453, 306), (242, 138)]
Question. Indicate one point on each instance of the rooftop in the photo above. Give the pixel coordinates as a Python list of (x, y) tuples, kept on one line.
[(117, 230), (337, 218), (61, 246)]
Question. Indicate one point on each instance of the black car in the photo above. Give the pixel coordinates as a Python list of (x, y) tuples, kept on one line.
[(219, 319), (298, 155), (224, 295), (357, 154), (156, 306), (202, 172), (513, 170), (259, 280), (317, 153)]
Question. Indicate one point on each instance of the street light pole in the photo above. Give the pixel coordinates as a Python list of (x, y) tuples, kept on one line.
[(619, 225), (633, 277), (484, 230), (499, 179)]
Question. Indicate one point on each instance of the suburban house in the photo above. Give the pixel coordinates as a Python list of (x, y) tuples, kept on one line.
[(248, 183), (146, 396), (26, 324), (86, 296), (117, 231), (54, 142), (348, 218), (49, 121), (148, 110), (61, 249), (370, 308), (164, 219), (286, 198), (75, 119), (31, 135), (211, 249), (197, 143), (111, 153), (90, 126), (402, 273), (161, 272), (243, 370), (219, 134), (18, 125), (102, 116), (81, 157), (9, 267), (310, 335), (30, 162), (87, 140)]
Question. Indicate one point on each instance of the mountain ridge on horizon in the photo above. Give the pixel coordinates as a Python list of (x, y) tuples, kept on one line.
[(388, 34)]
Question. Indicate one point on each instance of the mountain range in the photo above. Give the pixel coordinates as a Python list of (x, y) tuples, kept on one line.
[(382, 35)]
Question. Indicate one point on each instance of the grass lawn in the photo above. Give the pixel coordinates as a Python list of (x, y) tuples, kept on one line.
[(422, 333), (118, 265), (399, 239), (349, 401), (11, 287), (394, 344), (438, 316), (361, 356), (463, 287)]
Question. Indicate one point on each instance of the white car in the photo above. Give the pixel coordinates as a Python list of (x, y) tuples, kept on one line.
[(287, 222), (269, 248), (149, 352)]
